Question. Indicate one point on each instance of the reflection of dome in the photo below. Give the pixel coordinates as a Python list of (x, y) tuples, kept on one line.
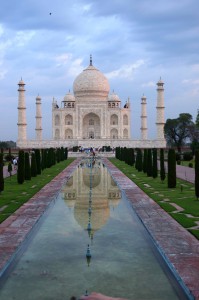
[(99, 216), (91, 82), (113, 97), (69, 97), (96, 177)]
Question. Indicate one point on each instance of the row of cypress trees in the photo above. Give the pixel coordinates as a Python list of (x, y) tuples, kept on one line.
[(40, 160), (146, 161)]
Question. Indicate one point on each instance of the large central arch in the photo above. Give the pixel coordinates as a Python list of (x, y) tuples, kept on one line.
[(91, 126)]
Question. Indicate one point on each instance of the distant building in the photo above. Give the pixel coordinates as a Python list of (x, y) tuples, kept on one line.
[(91, 116)]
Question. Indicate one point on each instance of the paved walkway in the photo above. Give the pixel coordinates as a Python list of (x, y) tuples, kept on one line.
[(6, 173), (178, 247)]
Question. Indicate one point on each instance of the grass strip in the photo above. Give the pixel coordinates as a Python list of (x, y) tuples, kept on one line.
[(15, 195), (184, 197)]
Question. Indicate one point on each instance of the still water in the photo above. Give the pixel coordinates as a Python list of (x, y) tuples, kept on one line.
[(89, 210)]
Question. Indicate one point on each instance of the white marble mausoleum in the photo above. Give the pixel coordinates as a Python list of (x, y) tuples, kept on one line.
[(91, 116)]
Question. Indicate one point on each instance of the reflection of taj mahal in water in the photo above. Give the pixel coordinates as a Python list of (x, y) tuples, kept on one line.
[(105, 194), (91, 116)]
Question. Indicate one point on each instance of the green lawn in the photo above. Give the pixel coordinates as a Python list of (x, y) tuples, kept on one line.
[(14, 194), (183, 195)]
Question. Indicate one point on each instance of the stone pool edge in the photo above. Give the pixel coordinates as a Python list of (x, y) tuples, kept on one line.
[(178, 247), (17, 228)]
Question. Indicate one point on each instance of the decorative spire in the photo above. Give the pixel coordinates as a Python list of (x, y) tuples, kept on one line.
[(91, 61)]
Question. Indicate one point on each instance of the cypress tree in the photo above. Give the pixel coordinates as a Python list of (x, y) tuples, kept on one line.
[(162, 168), (58, 155), (155, 163), (119, 153), (197, 173), (62, 154), (139, 160), (145, 160), (136, 159), (66, 153), (46, 158), (127, 156), (149, 163), (42, 159), (33, 165), (133, 157), (38, 160), (1, 173), (27, 175), (171, 168), (21, 168)]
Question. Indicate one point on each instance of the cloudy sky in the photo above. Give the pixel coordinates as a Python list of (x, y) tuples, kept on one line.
[(48, 43)]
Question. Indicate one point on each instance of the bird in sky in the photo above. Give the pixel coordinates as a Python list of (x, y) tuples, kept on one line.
[(50, 13)]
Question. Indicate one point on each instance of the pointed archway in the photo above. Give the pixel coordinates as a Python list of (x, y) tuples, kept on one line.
[(91, 126)]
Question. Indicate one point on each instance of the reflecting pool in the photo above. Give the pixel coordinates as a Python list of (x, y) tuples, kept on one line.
[(90, 216)]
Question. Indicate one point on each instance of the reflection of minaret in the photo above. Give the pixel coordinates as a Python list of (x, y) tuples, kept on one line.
[(22, 135), (38, 117), (143, 118), (160, 110)]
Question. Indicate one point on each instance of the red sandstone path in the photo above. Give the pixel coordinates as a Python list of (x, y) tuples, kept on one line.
[(178, 247)]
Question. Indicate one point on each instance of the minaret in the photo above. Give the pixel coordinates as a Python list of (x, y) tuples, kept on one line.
[(22, 134), (143, 128), (38, 117), (160, 110)]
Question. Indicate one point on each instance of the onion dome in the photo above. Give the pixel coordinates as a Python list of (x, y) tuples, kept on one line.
[(113, 97), (91, 83), (69, 97)]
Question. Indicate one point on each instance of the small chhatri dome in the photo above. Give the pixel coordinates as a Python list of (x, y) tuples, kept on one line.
[(69, 97), (113, 97), (91, 83)]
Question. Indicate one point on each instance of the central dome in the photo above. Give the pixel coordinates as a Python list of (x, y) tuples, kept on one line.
[(91, 83)]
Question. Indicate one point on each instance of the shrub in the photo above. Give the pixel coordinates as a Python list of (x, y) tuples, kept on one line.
[(178, 162), (75, 148), (187, 156), (190, 165), (178, 156)]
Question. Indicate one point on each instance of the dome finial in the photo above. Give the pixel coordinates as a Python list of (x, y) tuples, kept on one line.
[(91, 61)]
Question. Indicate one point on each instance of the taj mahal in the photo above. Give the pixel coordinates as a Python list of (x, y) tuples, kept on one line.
[(91, 116)]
